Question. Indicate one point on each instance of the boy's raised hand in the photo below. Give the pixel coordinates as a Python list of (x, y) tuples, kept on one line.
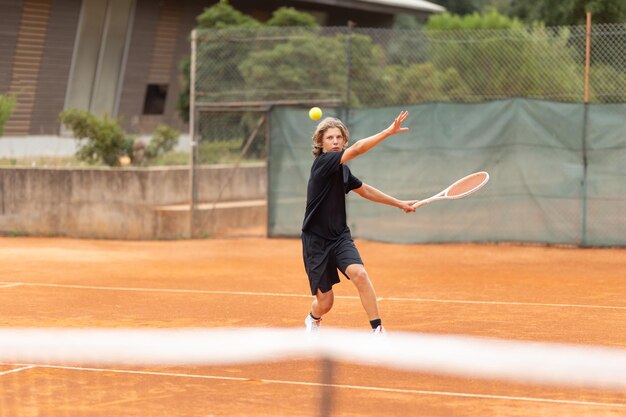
[(396, 126)]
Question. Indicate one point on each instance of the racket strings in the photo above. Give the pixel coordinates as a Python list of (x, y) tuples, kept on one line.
[(467, 185)]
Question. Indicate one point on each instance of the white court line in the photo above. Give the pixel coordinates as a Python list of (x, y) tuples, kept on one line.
[(503, 303), (267, 294), (8, 285), (23, 368), (341, 386)]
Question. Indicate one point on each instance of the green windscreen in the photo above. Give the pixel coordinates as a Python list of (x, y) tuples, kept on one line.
[(534, 151)]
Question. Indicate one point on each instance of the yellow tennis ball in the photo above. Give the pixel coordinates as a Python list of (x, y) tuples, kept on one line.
[(315, 113)]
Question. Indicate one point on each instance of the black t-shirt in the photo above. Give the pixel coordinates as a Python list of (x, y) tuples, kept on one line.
[(329, 183)]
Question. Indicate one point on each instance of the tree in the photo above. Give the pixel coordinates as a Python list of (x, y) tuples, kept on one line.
[(606, 50), (223, 15), (219, 16), (459, 7), (290, 17), (508, 62), (226, 40), (408, 45), (218, 73), (569, 12)]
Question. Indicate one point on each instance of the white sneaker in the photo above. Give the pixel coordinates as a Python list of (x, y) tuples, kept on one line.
[(380, 330), (312, 325)]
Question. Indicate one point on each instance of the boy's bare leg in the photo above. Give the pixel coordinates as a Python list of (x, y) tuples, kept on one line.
[(359, 277), (323, 303)]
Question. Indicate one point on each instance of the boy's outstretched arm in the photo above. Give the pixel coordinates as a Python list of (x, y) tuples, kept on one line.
[(373, 194), (364, 145)]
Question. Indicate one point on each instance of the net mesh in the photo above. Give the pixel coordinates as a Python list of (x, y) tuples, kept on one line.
[(542, 363), (69, 372)]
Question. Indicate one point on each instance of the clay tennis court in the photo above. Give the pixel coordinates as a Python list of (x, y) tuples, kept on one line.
[(514, 292)]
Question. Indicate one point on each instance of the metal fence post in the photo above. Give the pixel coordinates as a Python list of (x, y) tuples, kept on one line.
[(193, 192)]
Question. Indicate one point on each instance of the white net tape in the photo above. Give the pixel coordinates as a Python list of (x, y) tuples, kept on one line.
[(528, 362)]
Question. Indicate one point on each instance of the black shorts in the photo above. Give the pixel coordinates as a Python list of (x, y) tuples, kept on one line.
[(322, 258)]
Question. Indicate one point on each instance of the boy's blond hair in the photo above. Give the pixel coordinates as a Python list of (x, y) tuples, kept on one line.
[(322, 127)]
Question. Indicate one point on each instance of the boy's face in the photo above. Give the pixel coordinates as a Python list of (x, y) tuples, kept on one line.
[(333, 140)]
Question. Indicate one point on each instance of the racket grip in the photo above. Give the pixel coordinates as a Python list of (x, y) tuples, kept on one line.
[(425, 201)]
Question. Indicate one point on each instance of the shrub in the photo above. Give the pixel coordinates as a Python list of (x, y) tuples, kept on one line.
[(106, 141), (219, 152), (163, 141), (7, 104)]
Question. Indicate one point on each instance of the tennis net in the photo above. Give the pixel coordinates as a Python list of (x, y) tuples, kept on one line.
[(72, 372)]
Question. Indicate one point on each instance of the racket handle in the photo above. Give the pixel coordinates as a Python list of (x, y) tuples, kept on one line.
[(421, 203)]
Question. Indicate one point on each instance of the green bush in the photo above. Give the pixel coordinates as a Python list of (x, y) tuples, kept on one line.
[(163, 141), (219, 152), (418, 83), (7, 104), (607, 84), (105, 142)]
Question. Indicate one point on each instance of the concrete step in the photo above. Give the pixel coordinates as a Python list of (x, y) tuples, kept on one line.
[(226, 218)]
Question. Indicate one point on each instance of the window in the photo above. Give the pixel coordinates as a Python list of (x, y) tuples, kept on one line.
[(154, 102), (99, 54)]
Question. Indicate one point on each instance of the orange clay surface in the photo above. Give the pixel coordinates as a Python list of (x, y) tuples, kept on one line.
[(513, 292)]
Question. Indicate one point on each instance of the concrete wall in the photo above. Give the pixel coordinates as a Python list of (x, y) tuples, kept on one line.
[(132, 203)]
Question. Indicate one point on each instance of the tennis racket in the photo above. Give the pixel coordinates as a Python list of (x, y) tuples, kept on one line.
[(461, 188)]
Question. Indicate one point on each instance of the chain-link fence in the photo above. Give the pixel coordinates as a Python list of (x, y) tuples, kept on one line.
[(237, 69), (386, 67)]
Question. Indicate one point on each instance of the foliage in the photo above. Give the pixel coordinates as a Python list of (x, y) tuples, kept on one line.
[(287, 67), (420, 83), (226, 135), (290, 17), (164, 140), (479, 59), (607, 84), (219, 152), (7, 104), (219, 16), (366, 71), (573, 12), (183, 98), (569, 12), (222, 15), (102, 140), (408, 45), (489, 20), (469, 57), (106, 142), (224, 77), (459, 7)]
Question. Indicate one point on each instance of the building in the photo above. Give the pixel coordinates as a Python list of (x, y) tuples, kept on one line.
[(121, 57)]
